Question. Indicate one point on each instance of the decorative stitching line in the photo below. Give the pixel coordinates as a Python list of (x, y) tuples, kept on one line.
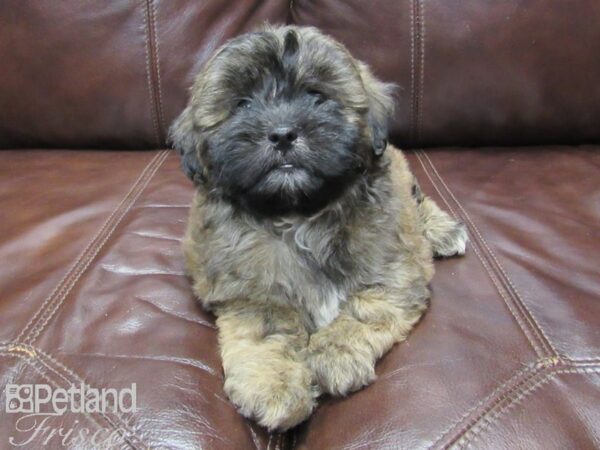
[(154, 113), (494, 402), (20, 336), (412, 73), (156, 61), (44, 314), (476, 432), (536, 370), (579, 361), (488, 398), (422, 73), (584, 365), (417, 69), (525, 311), (487, 268), (50, 313)]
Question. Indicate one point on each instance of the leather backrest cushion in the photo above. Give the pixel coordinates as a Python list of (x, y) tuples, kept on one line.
[(475, 72), (470, 72), (96, 74)]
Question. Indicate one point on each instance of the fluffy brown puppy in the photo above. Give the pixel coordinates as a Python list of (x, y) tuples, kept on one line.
[(308, 236)]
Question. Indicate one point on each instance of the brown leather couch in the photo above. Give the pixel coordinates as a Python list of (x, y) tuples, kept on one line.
[(500, 104)]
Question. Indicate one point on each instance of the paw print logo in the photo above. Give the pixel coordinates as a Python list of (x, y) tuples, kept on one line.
[(19, 398)]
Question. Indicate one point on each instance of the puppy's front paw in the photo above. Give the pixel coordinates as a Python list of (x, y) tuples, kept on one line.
[(339, 368), (277, 396), (453, 241)]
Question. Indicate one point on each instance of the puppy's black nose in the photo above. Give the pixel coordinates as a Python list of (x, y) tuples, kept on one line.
[(283, 136)]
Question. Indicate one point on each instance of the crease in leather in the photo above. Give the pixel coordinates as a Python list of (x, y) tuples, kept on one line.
[(200, 322), (52, 303), (33, 355), (511, 297), (136, 271), (154, 235), (184, 361)]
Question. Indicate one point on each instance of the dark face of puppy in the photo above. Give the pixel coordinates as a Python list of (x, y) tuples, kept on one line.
[(282, 121)]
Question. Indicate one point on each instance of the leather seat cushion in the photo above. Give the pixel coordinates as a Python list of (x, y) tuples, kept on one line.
[(93, 288)]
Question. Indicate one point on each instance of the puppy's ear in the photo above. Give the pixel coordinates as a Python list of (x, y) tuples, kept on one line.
[(186, 140), (381, 107)]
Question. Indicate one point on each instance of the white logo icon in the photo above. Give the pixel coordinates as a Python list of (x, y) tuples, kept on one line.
[(19, 398)]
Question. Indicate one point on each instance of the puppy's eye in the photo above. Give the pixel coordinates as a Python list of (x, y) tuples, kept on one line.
[(318, 96), (243, 103)]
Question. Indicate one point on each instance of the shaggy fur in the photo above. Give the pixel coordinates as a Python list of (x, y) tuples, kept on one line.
[(311, 245)]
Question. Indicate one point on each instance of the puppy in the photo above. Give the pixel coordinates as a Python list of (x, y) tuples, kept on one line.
[(308, 236)]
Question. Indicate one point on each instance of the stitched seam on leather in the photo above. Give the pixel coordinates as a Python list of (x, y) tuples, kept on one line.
[(580, 361), (422, 72), (146, 17), (40, 370), (412, 73), (512, 380), (509, 388), (38, 330), (493, 400), (417, 68), (156, 62), (533, 325), (36, 355), (476, 431), (25, 329), (526, 312), (487, 268), (47, 309)]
